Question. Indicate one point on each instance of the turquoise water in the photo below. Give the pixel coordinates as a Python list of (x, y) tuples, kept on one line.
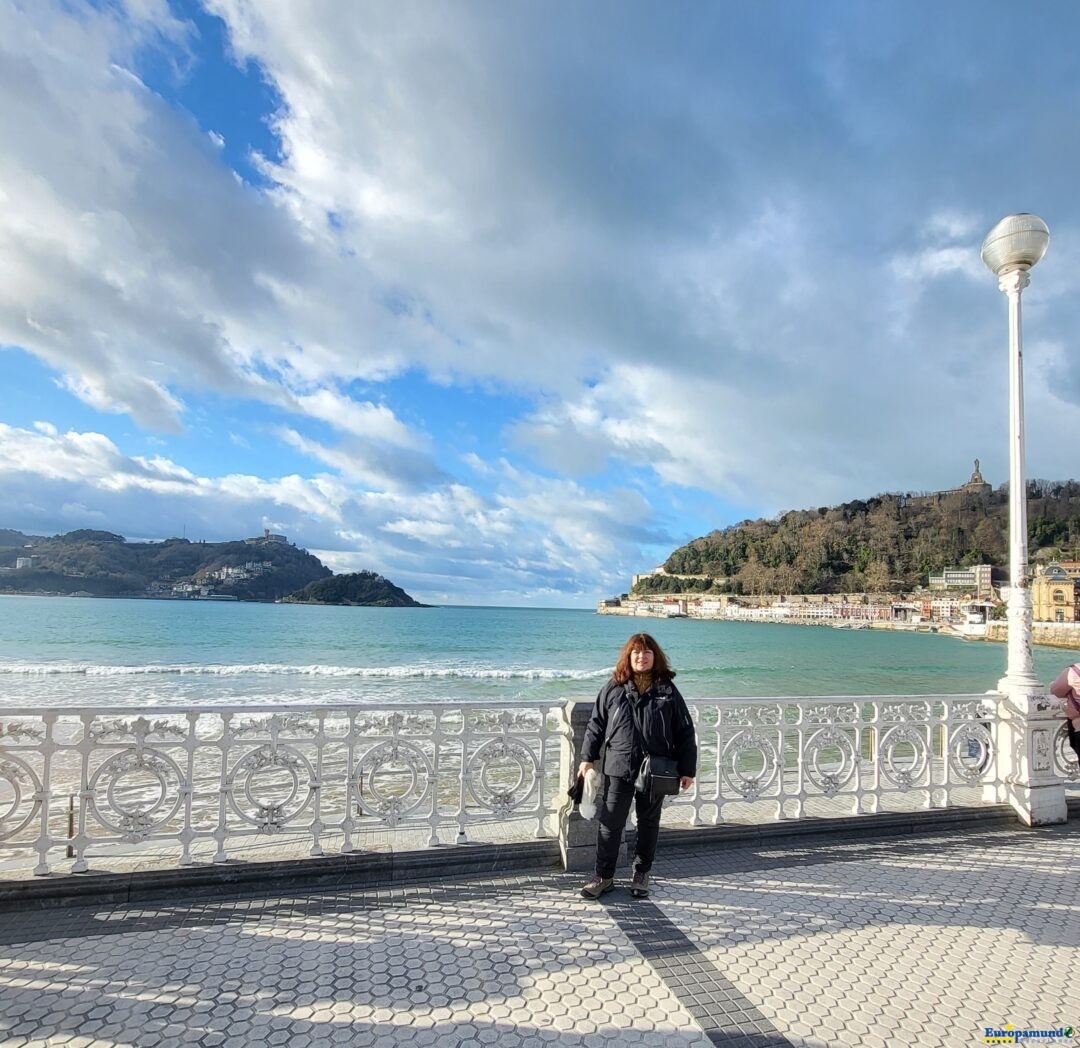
[(64, 650)]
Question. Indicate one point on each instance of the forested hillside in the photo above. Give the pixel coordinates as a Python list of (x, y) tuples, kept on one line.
[(104, 564), (10, 539), (889, 542), (361, 588)]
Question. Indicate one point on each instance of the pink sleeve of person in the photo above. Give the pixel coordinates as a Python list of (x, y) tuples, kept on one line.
[(1067, 687)]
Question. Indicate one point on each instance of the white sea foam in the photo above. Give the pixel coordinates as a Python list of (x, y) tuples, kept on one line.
[(413, 672)]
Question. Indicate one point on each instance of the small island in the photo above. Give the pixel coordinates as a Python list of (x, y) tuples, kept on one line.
[(360, 589)]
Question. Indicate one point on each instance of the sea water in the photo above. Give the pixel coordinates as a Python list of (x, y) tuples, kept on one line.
[(64, 651)]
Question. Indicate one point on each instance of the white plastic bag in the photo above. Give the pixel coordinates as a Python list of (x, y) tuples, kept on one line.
[(589, 794)]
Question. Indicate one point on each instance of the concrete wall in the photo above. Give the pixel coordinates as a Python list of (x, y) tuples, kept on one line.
[(1049, 634)]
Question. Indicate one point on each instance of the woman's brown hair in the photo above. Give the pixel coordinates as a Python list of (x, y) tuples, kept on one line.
[(662, 669)]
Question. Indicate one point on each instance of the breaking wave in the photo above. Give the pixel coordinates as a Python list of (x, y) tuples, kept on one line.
[(417, 672)]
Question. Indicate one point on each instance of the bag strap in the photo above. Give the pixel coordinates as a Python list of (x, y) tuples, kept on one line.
[(639, 735)]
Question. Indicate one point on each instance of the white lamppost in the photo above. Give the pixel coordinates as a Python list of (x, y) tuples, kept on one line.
[(1027, 723)]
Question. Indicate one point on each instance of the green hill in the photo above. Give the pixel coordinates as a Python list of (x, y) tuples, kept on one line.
[(361, 589), (11, 539), (105, 564), (889, 542)]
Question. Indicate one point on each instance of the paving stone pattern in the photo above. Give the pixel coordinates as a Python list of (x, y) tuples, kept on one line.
[(923, 940)]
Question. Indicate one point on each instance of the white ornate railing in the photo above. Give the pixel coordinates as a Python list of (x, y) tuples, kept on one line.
[(203, 783), (223, 775), (840, 755)]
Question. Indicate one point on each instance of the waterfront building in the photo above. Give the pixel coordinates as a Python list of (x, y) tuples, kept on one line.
[(946, 609), (1055, 595), (707, 608), (977, 612), (906, 611), (974, 579)]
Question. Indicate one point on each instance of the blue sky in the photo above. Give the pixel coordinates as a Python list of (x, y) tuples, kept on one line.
[(506, 302)]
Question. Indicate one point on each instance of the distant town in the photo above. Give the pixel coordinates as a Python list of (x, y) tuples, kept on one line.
[(965, 601), (928, 561)]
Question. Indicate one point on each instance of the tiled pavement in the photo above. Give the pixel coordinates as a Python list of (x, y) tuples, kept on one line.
[(922, 940)]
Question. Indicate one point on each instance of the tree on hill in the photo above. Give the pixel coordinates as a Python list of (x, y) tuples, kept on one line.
[(86, 535)]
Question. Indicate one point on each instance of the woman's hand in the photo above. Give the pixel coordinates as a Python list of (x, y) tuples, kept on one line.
[(584, 768), (686, 782)]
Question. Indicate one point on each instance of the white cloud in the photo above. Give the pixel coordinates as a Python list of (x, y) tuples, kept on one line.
[(533, 536), (140, 269), (362, 420), (939, 261), (94, 461), (372, 464), (779, 303), (952, 225)]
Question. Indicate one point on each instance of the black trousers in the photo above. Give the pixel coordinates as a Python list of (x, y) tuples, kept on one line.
[(1074, 738), (612, 813)]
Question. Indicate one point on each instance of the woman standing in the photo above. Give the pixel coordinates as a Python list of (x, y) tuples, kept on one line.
[(639, 712)]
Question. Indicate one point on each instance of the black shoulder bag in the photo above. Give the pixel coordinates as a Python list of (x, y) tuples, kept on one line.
[(659, 776)]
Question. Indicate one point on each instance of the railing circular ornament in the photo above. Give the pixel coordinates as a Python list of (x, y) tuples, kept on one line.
[(393, 807), (135, 820), (903, 775), (740, 749), (1065, 762), (271, 816), (970, 752), (829, 780), (17, 812), (502, 798)]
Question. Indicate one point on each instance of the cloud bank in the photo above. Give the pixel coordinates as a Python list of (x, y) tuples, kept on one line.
[(517, 294)]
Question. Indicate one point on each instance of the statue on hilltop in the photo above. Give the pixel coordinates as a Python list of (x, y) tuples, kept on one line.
[(976, 484)]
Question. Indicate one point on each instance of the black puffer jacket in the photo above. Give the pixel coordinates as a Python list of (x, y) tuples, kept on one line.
[(662, 717)]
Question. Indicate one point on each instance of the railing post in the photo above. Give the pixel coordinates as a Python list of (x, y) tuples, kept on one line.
[(577, 836), (1024, 733)]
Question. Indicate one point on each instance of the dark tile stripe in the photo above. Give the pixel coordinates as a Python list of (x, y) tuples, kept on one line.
[(726, 1015)]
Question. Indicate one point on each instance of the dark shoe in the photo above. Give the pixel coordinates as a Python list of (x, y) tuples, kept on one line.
[(639, 886), (597, 887)]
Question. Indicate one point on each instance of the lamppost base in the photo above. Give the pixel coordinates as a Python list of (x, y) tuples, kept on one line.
[(1021, 687), (1028, 721)]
